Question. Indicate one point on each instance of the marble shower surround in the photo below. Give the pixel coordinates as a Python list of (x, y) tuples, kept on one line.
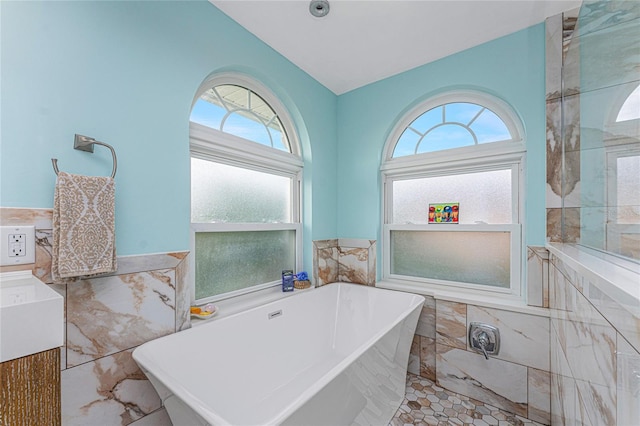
[(105, 319), (594, 363), (517, 380), (345, 260)]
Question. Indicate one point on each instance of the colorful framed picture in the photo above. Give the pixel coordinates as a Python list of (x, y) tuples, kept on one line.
[(444, 213)]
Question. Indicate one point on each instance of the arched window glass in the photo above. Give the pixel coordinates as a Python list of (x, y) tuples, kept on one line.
[(452, 125), (630, 109), (240, 112)]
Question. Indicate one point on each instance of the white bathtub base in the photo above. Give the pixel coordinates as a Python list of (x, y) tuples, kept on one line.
[(336, 356)]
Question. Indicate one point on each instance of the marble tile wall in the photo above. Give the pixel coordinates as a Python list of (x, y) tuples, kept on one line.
[(563, 147), (516, 380), (105, 319), (594, 335), (537, 276), (594, 364), (345, 260)]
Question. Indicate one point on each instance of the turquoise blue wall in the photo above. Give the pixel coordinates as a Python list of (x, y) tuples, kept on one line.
[(126, 73), (510, 68)]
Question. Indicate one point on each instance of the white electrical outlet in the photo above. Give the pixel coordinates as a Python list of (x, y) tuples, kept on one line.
[(17, 245)]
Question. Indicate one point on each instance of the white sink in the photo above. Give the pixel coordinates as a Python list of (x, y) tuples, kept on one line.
[(31, 316)]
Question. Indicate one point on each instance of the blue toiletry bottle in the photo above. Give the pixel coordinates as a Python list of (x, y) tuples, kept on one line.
[(287, 280)]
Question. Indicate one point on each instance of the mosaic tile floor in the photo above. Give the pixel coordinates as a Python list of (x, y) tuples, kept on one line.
[(427, 404)]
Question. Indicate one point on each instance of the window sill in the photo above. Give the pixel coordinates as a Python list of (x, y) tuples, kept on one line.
[(500, 301), (238, 304)]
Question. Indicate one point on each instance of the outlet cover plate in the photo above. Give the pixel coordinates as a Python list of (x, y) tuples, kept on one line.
[(26, 233)]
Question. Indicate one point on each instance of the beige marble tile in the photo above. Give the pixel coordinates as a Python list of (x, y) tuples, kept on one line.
[(428, 358), (62, 290), (499, 383), (414, 356), (553, 56), (356, 261), (107, 391), (325, 261), (111, 314), (451, 324), (427, 322), (44, 253), (582, 348), (554, 225), (537, 276), (539, 395), (524, 339), (157, 418), (571, 225), (40, 218), (628, 383), (353, 264), (570, 53), (596, 403), (183, 295), (554, 153), (563, 400)]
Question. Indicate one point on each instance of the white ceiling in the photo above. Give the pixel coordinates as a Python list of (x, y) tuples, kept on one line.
[(363, 41)]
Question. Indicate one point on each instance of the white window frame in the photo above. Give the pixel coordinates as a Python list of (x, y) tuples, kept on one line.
[(501, 155), (214, 145), (614, 230)]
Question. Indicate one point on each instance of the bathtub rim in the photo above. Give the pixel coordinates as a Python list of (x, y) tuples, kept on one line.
[(193, 402)]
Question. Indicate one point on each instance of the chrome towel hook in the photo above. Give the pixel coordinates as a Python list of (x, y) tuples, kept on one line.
[(85, 143)]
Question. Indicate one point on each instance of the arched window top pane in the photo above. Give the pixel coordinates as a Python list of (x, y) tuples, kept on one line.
[(452, 125), (630, 109), (240, 112)]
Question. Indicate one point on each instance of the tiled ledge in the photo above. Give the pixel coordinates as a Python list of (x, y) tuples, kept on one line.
[(496, 301), (611, 284), (242, 303), (616, 277)]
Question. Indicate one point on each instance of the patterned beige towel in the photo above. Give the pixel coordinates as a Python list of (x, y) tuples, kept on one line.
[(84, 240)]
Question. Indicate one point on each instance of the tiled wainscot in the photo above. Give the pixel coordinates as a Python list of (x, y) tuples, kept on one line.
[(106, 318), (594, 351), (516, 380)]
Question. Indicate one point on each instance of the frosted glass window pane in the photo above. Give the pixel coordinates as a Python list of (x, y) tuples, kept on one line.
[(483, 196), (470, 257), (223, 193), (264, 255), (628, 188)]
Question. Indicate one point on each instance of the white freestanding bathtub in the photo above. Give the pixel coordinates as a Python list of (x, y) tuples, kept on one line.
[(336, 355)]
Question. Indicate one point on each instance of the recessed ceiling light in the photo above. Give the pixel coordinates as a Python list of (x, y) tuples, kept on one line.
[(319, 8)]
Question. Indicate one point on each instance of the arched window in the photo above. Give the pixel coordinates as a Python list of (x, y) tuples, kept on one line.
[(449, 126), (452, 169), (245, 188), (241, 112), (630, 109)]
